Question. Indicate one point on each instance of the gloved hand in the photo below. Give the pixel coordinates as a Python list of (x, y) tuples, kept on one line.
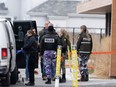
[(22, 50)]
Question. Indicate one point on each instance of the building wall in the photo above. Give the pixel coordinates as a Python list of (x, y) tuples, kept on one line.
[(113, 42), (73, 22), (18, 8), (35, 3), (13, 7), (89, 22), (92, 6), (59, 23), (40, 21), (27, 5)]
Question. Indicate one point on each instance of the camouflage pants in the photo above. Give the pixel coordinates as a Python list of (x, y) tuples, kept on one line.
[(83, 59), (50, 63)]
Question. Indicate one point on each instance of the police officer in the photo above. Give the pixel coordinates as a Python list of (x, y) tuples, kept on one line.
[(48, 48), (27, 58), (41, 34), (36, 37), (30, 47), (84, 48), (44, 31), (65, 43)]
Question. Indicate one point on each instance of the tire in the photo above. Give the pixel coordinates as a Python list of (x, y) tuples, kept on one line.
[(14, 76), (6, 81)]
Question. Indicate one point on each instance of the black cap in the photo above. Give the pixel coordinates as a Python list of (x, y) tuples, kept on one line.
[(50, 27)]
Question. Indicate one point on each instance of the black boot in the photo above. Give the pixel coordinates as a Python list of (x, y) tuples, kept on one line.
[(87, 78), (30, 84), (63, 78), (84, 78), (81, 79), (53, 79), (48, 82), (60, 80)]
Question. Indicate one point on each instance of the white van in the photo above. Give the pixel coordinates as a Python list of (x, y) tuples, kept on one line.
[(8, 69)]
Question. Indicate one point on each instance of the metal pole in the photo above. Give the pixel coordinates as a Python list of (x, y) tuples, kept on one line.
[(73, 35), (100, 35)]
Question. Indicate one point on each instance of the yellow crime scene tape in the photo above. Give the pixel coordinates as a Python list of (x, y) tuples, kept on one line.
[(74, 67), (58, 62)]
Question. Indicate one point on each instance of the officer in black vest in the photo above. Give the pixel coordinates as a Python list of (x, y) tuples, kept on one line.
[(31, 49), (41, 34), (48, 48), (84, 48)]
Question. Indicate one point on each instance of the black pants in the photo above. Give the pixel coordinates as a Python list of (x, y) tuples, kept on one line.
[(42, 67), (31, 67)]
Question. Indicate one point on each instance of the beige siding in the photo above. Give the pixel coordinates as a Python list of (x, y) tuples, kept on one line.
[(113, 47), (95, 6)]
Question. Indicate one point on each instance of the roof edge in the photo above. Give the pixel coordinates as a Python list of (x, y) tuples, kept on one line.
[(3, 11), (37, 14), (57, 17), (86, 15)]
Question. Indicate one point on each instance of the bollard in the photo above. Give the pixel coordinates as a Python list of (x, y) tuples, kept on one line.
[(58, 62), (74, 67)]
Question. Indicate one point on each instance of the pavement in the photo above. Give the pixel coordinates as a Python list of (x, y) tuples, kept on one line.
[(91, 83)]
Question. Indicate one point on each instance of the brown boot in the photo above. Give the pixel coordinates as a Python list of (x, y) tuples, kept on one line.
[(44, 77)]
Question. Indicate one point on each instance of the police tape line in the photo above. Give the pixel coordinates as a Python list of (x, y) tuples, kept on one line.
[(113, 52), (70, 65), (110, 52), (74, 68), (90, 67), (73, 64), (58, 63)]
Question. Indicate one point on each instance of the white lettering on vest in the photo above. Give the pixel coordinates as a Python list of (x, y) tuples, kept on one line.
[(49, 40)]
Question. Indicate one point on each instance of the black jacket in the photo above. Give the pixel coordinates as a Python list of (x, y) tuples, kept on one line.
[(44, 32), (30, 46), (84, 44), (49, 41), (65, 43)]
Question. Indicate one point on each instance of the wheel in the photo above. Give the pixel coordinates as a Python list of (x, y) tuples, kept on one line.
[(14, 76), (6, 81)]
